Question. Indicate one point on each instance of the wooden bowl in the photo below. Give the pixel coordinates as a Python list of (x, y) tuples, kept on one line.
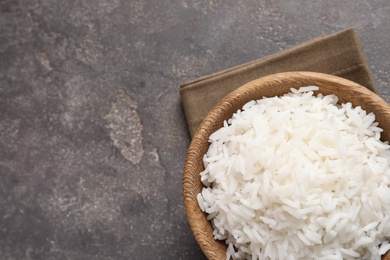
[(269, 86)]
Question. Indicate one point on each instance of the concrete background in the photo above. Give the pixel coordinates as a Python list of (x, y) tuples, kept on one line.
[(92, 132)]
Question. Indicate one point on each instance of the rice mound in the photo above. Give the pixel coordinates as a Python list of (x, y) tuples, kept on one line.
[(299, 177)]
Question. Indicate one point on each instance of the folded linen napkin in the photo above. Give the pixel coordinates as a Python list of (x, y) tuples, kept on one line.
[(340, 54)]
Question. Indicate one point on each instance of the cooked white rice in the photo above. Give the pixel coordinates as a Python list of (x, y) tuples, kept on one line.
[(299, 177)]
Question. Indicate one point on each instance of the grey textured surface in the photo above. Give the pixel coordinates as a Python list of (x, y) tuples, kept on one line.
[(92, 132)]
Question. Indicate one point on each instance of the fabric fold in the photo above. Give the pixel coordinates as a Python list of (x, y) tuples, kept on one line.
[(339, 54)]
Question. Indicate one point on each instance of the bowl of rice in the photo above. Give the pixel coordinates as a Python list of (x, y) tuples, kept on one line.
[(294, 165)]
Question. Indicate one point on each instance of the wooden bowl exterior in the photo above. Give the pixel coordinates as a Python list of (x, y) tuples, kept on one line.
[(269, 86)]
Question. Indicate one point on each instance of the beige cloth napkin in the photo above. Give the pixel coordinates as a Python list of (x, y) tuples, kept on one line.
[(340, 54)]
